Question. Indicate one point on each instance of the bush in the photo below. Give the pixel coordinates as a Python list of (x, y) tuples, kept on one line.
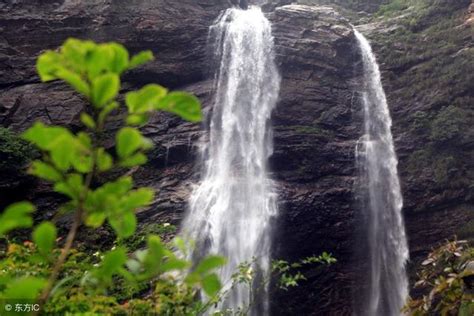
[(449, 126), (72, 162), (15, 152), (442, 277), (392, 7)]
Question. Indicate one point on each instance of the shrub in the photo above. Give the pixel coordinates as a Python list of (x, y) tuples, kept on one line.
[(15, 152), (442, 276), (449, 125), (72, 162)]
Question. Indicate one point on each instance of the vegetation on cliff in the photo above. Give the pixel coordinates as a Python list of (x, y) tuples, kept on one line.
[(425, 49), (15, 152)]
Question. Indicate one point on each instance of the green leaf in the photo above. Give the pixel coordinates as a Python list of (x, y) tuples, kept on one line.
[(154, 256), (124, 224), (183, 104), (119, 187), (83, 164), (104, 160), (211, 284), (95, 220), (44, 171), (141, 58), (210, 263), (47, 65), (24, 288), (98, 60), (72, 187), (192, 278), (137, 159), (44, 237), (85, 142), (74, 52), (137, 119), (106, 111), (87, 120), (145, 99), (44, 136), (174, 264), (74, 80), (129, 140), (61, 144), (63, 151), (16, 216), (112, 263), (119, 62), (138, 198), (104, 89)]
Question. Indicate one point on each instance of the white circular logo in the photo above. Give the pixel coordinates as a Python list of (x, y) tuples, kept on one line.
[(8, 307)]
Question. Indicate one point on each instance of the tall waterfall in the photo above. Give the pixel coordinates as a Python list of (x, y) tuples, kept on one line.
[(381, 197), (232, 207)]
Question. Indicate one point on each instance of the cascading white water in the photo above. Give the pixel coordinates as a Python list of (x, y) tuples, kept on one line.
[(232, 207), (381, 197)]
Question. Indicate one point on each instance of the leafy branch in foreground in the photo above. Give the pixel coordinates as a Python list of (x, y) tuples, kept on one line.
[(445, 275), (73, 162), (285, 275)]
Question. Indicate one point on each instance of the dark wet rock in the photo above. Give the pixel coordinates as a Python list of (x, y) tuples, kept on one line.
[(315, 130)]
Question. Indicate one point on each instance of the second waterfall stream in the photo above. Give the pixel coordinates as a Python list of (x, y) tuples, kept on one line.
[(386, 246), (232, 207)]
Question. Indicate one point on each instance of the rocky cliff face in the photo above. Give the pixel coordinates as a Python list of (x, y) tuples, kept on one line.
[(356, 5), (175, 32), (426, 56), (316, 123), (315, 133)]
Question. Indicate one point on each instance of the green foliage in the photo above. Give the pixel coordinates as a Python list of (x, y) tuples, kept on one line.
[(442, 277), (430, 70), (449, 126), (79, 303), (289, 274), (441, 164), (443, 168), (16, 216), (24, 262), (72, 162), (44, 237), (23, 288), (15, 153), (421, 122), (393, 7), (138, 240)]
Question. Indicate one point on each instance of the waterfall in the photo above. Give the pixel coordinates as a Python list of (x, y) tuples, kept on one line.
[(381, 197), (231, 209)]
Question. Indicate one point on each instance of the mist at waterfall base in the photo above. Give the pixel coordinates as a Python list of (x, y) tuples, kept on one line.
[(231, 209), (379, 194)]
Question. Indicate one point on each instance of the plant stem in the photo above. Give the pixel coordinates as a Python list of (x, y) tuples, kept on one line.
[(62, 258), (72, 232)]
